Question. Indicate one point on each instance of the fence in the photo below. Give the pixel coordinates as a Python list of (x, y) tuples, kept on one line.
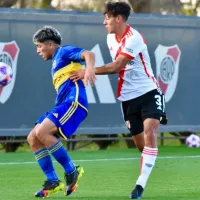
[(173, 43)]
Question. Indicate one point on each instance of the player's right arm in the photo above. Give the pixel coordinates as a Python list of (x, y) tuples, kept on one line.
[(77, 54), (130, 49), (89, 74)]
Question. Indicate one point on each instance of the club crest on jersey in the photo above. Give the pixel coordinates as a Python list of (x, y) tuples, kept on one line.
[(9, 54), (167, 68)]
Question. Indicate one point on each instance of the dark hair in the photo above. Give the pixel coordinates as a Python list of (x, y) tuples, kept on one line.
[(118, 8), (47, 33)]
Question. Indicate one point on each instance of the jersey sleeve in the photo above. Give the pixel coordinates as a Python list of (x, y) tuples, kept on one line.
[(133, 46), (72, 53)]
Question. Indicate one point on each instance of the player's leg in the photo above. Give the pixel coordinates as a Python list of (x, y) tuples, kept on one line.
[(46, 134), (33, 141), (148, 157), (64, 119), (138, 138), (68, 126), (132, 116), (152, 111), (42, 155), (139, 141)]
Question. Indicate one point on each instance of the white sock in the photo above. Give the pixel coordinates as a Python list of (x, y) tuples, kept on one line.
[(147, 162)]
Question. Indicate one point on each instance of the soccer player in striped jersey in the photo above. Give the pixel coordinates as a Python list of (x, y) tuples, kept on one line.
[(142, 102), (71, 108)]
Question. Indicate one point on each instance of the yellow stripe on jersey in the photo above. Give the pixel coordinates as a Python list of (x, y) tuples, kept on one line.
[(63, 74), (62, 134), (72, 108), (83, 107), (70, 113)]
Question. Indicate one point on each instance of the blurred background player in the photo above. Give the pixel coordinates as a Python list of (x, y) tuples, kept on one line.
[(70, 110), (143, 103)]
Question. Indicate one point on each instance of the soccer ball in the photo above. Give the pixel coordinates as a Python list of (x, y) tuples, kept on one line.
[(6, 74), (193, 141)]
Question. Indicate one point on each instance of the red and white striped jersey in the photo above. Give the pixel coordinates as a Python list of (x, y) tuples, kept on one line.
[(136, 78)]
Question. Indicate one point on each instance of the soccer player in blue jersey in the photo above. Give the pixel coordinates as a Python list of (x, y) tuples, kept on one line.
[(70, 109)]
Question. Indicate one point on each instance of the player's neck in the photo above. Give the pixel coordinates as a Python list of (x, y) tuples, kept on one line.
[(121, 31)]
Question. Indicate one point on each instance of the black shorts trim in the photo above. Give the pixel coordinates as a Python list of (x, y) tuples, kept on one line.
[(152, 116)]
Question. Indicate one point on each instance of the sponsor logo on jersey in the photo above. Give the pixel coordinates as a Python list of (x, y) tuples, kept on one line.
[(129, 50), (167, 68), (131, 62), (9, 54)]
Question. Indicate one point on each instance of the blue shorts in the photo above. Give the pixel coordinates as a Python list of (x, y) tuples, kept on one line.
[(66, 117)]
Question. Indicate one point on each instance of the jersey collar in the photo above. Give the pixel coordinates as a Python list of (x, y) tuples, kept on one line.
[(126, 31)]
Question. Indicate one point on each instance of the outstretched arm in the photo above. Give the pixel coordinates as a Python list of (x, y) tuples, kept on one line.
[(110, 68), (114, 67)]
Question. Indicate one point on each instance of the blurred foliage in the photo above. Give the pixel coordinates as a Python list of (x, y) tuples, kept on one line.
[(7, 3), (182, 7)]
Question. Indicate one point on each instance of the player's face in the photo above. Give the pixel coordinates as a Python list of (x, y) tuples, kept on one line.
[(110, 23), (44, 50)]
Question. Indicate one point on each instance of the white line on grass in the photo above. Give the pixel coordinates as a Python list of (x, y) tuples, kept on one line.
[(102, 160)]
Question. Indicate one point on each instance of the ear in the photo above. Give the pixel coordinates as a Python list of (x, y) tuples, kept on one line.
[(118, 18), (50, 43)]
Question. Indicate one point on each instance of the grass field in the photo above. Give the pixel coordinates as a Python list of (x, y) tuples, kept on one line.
[(109, 175)]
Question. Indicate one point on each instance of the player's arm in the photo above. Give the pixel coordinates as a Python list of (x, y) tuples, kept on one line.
[(110, 68), (113, 67), (130, 50), (89, 59)]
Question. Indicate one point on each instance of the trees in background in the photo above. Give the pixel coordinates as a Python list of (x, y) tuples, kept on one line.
[(184, 7), (43, 4), (7, 3)]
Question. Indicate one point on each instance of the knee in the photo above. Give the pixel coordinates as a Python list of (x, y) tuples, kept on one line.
[(151, 126), (39, 134), (31, 138), (149, 133)]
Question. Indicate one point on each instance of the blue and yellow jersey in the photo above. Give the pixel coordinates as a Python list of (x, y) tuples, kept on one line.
[(67, 59)]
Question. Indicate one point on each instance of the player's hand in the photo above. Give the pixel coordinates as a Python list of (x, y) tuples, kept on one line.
[(75, 76), (89, 76)]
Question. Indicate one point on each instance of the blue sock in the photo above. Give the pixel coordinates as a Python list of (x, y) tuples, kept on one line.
[(61, 155), (45, 162)]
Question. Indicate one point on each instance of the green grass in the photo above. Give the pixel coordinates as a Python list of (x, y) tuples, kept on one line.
[(172, 178)]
